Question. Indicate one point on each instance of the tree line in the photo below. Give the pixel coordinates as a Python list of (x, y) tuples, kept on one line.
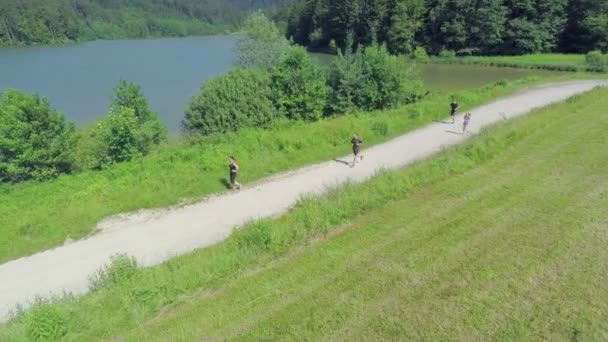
[(24, 22), (273, 81), (467, 27)]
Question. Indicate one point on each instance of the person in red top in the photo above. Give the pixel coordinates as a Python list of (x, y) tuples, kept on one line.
[(465, 124)]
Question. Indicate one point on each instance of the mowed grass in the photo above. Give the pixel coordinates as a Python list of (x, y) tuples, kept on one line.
[(38, 216), (548, 61), (503, 238)]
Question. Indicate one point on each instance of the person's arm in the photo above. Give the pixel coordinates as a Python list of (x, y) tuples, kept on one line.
[(236, 166)]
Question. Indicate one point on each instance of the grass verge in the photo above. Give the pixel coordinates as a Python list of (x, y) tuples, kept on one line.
[(38, 216), (553, 61), (500, 238)]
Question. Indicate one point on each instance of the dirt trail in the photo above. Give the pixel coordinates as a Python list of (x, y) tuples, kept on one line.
[(155, 236)]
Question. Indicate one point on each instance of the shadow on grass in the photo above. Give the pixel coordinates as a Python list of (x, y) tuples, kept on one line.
[(225, 182)]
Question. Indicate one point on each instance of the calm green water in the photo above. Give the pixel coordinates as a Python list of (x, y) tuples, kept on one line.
[(78, 79)]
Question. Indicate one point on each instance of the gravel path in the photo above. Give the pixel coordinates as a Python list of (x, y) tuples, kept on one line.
[(155, 236)]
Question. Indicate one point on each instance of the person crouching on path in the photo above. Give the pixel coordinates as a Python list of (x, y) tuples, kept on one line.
[(465, 124), (356, 142), (234, 169), (453, 110)]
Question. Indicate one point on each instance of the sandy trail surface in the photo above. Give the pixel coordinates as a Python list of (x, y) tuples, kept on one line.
[(155, 236)]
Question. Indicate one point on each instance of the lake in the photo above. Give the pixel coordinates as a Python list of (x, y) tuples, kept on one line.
[(78, 79)]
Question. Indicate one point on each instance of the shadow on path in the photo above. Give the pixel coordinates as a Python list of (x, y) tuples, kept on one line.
[(459, 133), (342, 162)]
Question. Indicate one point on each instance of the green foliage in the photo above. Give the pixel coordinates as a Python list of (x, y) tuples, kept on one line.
[(447, 53), (262, 43), (46, 322), (130, 129), (35, 140), (420, 55), (370, 79), (61, 21), (240, 98), (117, 137), (299, 86), (471, 27), (151, 131), (596, 61), (120, 269)]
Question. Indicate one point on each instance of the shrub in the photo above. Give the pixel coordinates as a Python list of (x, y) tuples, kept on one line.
[(117, 137), (421, 55), (150, 130), (35, 140), (596, 61), (447, 53), (121, 268), (299, 86), (46, 322), (370, 79), (240, 98)]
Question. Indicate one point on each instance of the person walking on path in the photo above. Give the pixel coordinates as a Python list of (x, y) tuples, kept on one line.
[(234, 169), (465, 124), (453, 109), (356, 142)]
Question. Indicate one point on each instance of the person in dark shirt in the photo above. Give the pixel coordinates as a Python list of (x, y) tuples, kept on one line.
[(356, 142), (234, 169), (453, 110)]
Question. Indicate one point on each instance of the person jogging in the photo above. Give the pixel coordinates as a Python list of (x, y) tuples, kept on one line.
[(234, 169), (465, 124), (356, 142), (453, 110)]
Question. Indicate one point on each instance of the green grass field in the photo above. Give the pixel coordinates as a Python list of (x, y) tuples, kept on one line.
[(549, 61), (38, 216), (502, 238)]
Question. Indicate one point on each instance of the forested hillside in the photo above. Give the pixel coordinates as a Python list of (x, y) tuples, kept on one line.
[(464, 26), (59, 21)]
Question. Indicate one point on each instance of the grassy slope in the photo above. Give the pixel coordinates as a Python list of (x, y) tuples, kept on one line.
[(502, 238), (553, 61), (35, 217)]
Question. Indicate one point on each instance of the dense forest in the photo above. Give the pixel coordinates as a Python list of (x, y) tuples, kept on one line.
[(466, 27), (24, 22)]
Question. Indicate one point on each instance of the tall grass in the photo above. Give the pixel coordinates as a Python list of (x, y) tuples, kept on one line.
[(556, 62), (119, 306), (37, 216)]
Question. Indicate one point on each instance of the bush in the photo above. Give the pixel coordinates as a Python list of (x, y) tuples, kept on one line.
[(299, 86), (150, 130), (130, 129), (117, 137), (240, 98), (370, 79), (35, 140), (447, 53), (421, 55), (46, 322), (121, 268), (596, 61)]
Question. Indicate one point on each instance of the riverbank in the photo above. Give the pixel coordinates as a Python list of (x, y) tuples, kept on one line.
[(554, 61)]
